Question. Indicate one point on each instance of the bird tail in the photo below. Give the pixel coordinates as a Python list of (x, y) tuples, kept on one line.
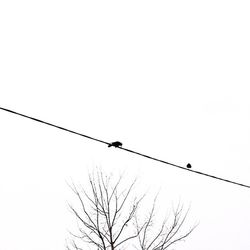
[(109, 145)]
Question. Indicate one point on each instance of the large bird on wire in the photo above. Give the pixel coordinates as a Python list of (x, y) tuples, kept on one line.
[(115, 144)]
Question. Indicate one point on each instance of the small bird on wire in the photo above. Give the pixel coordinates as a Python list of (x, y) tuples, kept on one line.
[(115, 144), (189, 165)]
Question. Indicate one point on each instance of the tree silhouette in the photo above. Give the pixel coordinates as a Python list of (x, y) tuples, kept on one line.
[(108, 218)]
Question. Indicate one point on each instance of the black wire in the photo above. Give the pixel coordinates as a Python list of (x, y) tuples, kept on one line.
[(126, 149), (53, 125)]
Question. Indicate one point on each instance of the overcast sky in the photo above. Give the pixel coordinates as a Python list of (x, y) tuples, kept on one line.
[(167, 78)]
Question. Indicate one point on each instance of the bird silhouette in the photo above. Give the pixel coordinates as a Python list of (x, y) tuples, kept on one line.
[(115, 144), (189, 165)]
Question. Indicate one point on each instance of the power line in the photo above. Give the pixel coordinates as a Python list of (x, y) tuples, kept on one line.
[(126, 149), (53, 125)]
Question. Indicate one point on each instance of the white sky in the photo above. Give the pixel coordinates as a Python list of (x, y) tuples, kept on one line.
[(167, 78)]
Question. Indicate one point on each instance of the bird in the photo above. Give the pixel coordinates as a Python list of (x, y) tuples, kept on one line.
[(189, 165), (115, 144)]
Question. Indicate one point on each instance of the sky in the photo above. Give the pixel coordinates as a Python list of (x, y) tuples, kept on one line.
[(166, 78)]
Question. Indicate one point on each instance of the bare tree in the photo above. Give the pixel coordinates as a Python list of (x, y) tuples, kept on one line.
[(108, 219)]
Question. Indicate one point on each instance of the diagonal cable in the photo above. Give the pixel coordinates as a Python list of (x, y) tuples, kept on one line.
[(126, 149)]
